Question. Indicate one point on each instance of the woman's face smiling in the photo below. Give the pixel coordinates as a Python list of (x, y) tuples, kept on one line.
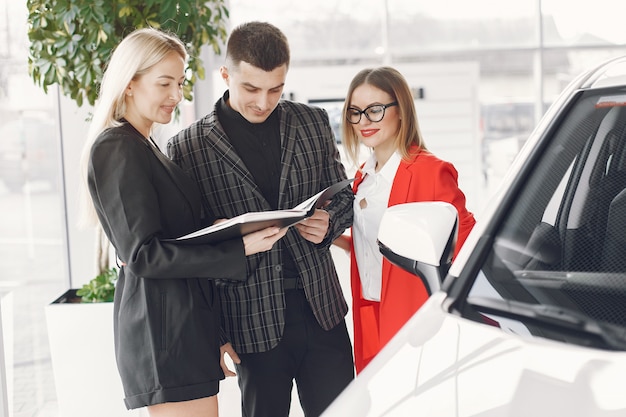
[(381, 135), (152, 97)]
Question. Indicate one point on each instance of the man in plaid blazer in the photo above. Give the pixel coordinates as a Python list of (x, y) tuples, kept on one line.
[(256, 152)]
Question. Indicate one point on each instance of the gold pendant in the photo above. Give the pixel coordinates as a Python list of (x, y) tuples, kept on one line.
[(363, 203)]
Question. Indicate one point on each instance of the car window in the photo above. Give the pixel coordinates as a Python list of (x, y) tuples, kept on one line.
[(557, 263)]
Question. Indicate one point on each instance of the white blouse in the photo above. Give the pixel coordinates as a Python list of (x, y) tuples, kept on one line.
[(371, 201)]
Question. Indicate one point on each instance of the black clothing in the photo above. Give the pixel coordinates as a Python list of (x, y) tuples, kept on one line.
[(166, 313)]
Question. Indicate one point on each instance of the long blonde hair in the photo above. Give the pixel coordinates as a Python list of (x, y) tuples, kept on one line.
[(392, 82), (135, 55)]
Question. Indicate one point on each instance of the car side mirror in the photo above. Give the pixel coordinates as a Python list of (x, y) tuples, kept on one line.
[(420, 238)]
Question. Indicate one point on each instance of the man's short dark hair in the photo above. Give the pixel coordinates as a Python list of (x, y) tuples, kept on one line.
[(260, 44)]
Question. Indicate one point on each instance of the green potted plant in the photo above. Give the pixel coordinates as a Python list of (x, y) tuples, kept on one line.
[(71, 40), (100, 289)]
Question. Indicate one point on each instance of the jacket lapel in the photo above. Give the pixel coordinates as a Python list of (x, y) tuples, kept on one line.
[(187, 188), (172, 170), (288, 135), (402, 182), (219, 143)]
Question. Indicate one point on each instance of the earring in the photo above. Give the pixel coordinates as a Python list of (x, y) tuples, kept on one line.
[(129, 94)]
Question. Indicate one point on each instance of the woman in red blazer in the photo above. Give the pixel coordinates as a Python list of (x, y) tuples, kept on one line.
[(380, 114)]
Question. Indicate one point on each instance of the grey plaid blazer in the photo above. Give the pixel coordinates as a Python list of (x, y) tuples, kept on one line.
[(253, 310)]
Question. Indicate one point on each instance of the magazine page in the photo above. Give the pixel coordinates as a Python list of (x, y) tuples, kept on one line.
[(251, 222)]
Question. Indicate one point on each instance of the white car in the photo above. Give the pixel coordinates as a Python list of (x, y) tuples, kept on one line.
[(530, 319)]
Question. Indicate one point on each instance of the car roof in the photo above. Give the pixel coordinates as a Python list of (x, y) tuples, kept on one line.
[(611, 73)]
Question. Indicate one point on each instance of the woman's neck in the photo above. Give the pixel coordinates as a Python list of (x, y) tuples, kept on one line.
[(139, 124), (382, 156)]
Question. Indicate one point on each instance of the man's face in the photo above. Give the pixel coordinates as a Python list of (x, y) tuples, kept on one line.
[(254, 93)]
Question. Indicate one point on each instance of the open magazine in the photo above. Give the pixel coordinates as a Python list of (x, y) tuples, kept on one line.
[(251, 222)]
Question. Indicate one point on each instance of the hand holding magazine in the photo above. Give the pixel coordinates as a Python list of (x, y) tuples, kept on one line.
[(251, 222)]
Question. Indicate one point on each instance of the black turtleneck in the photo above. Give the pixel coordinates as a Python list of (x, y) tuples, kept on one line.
[(258, 145)]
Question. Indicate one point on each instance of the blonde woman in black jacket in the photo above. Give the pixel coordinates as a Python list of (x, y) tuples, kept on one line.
[(166, 312)]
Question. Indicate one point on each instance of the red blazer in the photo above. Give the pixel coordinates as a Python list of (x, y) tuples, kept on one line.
[(424, 178)]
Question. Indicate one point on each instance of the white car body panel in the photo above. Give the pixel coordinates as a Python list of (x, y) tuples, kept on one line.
[(444, 365)]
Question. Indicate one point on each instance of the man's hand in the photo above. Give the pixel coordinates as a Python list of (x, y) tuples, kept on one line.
[(314, 228), (224, 349)]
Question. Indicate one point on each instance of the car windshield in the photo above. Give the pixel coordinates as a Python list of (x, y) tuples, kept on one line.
[(562, 243)]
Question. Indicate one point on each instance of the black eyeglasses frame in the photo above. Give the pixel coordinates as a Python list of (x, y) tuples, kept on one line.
[(364, 112)]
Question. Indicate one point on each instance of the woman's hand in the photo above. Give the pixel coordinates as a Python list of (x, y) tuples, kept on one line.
[(263, 240), (343, 242)]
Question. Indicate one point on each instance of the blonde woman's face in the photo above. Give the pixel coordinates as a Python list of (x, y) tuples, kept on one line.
[(153, 97), (376, 135)]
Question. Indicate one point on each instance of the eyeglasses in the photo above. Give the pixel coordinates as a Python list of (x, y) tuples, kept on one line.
[(374, 113)]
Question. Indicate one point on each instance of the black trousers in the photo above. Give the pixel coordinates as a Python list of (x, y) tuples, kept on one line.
[(320, 362)]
